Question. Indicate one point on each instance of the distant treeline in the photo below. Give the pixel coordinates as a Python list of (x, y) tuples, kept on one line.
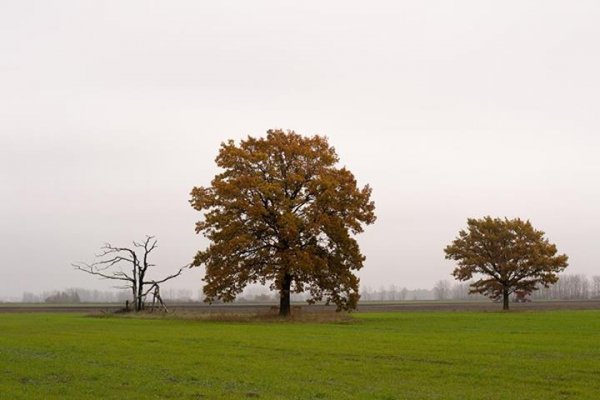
[(80, 295), (569, 287)]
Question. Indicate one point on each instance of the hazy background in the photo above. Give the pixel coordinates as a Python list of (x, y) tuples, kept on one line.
[(110, 112)]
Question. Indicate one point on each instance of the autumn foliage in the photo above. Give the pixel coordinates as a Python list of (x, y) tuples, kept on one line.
[(510, 254), (282, 213)]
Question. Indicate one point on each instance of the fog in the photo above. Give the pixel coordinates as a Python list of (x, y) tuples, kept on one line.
[(110, 112)]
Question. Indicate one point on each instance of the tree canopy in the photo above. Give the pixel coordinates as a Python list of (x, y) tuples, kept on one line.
[(282, 213), (510, 254)]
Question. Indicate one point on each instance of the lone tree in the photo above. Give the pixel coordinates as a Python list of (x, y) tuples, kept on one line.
[(126, 265), (281, 212), (509, 253)]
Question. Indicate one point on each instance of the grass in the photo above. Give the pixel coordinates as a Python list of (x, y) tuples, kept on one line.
[(427, 355)]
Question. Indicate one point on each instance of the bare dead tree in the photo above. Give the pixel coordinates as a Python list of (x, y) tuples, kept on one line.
[(125, 265)]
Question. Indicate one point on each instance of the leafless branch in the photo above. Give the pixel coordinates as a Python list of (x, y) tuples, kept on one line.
[(93, 270), (175, 275)]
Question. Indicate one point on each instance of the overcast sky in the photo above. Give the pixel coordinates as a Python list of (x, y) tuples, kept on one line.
[(110, 112)]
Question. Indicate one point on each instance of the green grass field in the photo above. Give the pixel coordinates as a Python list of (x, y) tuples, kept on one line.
[(424, 355)]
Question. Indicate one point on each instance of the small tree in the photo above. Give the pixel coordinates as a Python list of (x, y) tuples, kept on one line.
[(282, 212), (510, 254), (112, 261)]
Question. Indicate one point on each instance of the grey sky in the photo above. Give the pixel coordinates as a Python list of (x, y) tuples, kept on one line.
[(111, 111)]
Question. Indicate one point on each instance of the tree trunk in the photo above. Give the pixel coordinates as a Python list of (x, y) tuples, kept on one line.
[(140, 300), (284, 296), (505, 298), (134, 293)]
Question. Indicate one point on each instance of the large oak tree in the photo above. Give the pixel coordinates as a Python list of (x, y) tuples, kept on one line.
[(282, 213), (508, 255)]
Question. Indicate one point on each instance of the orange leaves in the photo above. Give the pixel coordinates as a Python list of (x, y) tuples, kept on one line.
[(510, 253), (280, 206)]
